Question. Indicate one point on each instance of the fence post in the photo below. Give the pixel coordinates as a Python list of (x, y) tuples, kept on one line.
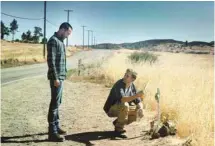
[(79, 67)]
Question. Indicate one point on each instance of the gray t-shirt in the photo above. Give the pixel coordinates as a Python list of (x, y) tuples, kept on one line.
[(127, 91)]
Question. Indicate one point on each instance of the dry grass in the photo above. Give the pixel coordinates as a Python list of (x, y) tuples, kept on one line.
[(186, 84), (15, 54), (90, 73)]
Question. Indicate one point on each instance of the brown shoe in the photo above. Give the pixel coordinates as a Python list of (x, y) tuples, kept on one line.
[(55, 138), (61, 131)]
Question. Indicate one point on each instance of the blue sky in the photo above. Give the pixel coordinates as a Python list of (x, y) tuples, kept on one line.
[(118, 22)]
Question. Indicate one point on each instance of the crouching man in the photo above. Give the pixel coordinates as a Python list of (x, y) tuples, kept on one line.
[(119, 102)]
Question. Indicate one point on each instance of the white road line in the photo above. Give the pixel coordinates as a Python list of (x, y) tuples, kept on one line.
[(30, 78), (21, 79)]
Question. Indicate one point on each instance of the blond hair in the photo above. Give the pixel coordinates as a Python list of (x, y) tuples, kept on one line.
[(132, 72)]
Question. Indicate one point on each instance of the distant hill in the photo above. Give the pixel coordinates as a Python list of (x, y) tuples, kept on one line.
[(198, 43), (212, 43), (149, 43), (108, 46), (152, 43)]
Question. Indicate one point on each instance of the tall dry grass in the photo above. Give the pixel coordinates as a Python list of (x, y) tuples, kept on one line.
[(186, 83), (13, 54), (21, 51)]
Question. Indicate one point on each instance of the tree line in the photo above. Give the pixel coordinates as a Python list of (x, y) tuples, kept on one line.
[(26, 37)]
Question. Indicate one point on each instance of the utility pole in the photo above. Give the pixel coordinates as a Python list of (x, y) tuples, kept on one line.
[(88, 38), (44, 38), (68, 22), (83, 35), (92, 39)]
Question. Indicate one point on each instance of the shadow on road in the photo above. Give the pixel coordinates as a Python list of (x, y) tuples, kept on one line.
[(87, 137), (10, 139)]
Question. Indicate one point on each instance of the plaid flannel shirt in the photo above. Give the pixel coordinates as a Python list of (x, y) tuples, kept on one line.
[(56, 58)]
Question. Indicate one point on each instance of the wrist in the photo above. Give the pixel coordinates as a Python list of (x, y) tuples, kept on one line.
[(135, 96)]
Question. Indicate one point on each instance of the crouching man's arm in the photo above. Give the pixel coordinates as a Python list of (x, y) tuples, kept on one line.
[(131, 98)]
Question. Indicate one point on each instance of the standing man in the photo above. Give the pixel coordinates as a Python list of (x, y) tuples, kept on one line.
[(56, 59), (122, 95)]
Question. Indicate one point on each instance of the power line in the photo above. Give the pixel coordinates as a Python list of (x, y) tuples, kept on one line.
[(21, 17), (51, 23), (28, 18)]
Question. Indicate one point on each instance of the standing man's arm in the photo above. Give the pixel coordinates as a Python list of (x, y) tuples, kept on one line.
[(51, 59)]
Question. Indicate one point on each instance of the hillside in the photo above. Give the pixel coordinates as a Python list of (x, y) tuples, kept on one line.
[(162, 45)]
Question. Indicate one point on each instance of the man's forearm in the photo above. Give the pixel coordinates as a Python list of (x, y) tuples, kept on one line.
[(51, 64), (54, 70), (128, 99)]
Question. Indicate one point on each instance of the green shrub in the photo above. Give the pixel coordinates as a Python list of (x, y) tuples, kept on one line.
[(139, 57)]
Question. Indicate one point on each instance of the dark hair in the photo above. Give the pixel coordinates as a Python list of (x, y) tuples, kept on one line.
[(65, 26)]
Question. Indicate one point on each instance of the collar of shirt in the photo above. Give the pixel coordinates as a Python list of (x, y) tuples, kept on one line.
[(124, 85), (60, 38)]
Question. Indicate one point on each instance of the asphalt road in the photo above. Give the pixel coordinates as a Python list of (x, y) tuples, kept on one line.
[(10, 75)]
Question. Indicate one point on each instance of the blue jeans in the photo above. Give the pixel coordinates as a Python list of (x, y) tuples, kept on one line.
[(53, 114)]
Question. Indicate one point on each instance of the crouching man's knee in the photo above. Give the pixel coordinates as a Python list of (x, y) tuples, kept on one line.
[(124, 107), (140, 110)]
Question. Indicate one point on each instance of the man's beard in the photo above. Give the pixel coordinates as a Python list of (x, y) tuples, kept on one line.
[(63, 37)]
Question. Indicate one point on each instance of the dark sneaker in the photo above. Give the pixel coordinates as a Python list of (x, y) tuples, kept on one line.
[(55, 138), (61, 131)]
